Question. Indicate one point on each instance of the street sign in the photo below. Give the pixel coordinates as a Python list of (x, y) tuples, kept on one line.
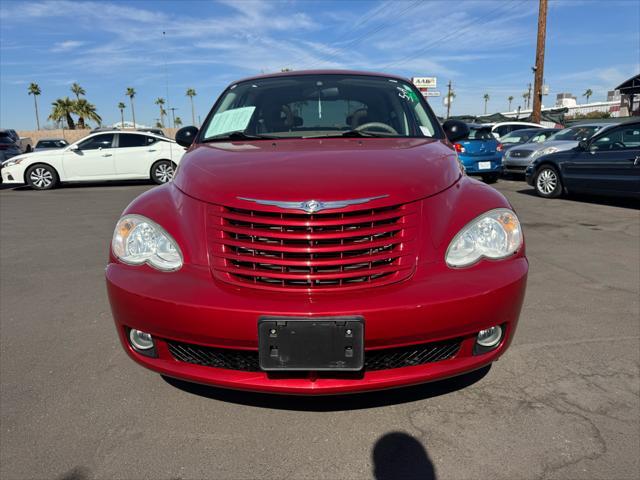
[(432, 93), (425, 82)]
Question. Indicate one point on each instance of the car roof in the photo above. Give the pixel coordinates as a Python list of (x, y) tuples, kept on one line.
[(51, 139), (297, 73), (134, 132)]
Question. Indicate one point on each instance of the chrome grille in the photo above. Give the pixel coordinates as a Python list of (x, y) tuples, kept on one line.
[(274, 250)]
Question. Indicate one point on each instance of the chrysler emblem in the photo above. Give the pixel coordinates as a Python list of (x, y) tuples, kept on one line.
[(313, 206)]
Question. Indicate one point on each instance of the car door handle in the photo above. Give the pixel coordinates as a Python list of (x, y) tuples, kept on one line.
[(106, 155), (151, 150)]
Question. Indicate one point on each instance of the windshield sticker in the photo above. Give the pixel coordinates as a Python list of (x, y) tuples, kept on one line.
[(236, 119), (406, 93)]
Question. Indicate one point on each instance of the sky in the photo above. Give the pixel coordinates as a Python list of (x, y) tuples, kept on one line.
[(481, 46)]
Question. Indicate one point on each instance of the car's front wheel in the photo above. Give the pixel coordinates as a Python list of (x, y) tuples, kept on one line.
[(41, 177), (162, 171), (547, 182)]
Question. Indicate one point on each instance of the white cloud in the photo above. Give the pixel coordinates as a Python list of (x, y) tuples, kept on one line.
[(66, 45)]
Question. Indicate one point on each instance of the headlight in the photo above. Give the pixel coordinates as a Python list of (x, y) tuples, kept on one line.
[(545, 151), (11, 162), (138, 240), (495, 234)]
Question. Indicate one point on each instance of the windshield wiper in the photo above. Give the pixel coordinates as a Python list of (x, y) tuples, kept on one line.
[(238, 135), (353, 133)]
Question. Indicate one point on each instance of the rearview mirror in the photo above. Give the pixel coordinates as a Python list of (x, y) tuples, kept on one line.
[(186, 135), (455, 130)]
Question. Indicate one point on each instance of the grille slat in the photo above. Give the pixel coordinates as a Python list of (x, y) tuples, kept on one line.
[(321, 251), (384, 359)]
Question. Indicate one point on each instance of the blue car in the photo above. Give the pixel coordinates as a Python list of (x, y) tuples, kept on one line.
[(481, 153)]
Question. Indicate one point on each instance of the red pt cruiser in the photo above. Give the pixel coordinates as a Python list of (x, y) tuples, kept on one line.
[(319, 237)]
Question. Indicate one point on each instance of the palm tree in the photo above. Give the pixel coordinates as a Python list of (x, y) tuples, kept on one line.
[(191, 92), (177, 122), (160, 102), (77, 90), (132, 93), (526, 96), (510, 98), (486, 99), (34, 90), (121, 107), (87, 110), (62, 109), (587, 94)]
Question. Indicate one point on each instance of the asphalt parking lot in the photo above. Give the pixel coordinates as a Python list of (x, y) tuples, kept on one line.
[(562, 403)]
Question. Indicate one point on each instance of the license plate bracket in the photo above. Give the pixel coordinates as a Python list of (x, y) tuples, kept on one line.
[(311, 343)]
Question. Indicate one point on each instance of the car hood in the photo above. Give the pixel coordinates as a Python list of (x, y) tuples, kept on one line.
[(559, 144), (398, 169)]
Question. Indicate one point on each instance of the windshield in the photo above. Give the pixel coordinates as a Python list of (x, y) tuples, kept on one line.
[(480, 134), (574, 133), (519, 136), (320, 106)]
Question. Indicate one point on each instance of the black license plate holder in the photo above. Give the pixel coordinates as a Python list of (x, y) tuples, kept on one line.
[(311, 343)]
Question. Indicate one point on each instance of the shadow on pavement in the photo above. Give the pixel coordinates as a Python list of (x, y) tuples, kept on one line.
[(72, 185), (398, 455), (331, 403), (621, 202)]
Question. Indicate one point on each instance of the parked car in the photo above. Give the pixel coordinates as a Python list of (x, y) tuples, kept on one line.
[(606, 164), (480, 153), (527, 135), (8, 146), (24, 143), (500, 129), (319, 238), (50, 144), (111, 155), (517, 159)]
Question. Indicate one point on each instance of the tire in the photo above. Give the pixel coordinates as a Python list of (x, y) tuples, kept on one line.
[(490, 177), (162, 171), (547, 182), (41, 177)]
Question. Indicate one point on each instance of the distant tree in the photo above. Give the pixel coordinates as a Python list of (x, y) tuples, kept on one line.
[(34, 90), (526, 96), (160, 102), (588, 94), (177, 122), (77, 90), (192, 93), (62, 108), (285, 69), (132, 93), (486, 99), (510, 98), (87, 110), (121, 107)]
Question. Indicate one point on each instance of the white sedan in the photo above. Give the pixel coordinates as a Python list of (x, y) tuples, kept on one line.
[(110, 155)]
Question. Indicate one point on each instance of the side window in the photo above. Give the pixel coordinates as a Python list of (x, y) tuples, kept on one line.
[(99, 141), (502, 130), (621, 138), (127, 140)]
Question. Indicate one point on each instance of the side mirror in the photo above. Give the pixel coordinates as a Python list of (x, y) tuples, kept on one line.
[(583, 145), (455, 130), (186, 135)]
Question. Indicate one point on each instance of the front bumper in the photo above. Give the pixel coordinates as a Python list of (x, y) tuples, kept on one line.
[(436, 304)]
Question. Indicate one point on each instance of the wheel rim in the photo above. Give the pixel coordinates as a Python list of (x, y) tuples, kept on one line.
[(164, 172), (547, 181), (41, 177)]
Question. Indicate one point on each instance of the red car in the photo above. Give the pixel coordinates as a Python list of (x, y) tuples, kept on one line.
[(319, 237)]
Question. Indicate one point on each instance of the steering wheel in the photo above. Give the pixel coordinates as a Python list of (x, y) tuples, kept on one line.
[(380, 125)]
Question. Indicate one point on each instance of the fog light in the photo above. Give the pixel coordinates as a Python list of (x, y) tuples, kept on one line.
[(140, 340), (490, 337)]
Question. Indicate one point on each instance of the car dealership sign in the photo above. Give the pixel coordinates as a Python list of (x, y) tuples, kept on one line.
[(425, 82)]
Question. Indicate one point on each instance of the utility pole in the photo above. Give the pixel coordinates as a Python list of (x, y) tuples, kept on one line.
[(528, 104), (449, 99), (539, 66)]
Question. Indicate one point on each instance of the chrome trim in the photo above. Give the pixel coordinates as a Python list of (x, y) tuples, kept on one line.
[(313, 206)]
